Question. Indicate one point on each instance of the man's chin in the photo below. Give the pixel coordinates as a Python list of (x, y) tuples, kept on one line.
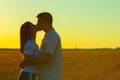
[(40, 30)]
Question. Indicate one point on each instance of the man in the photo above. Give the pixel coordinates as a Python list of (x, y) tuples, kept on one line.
[(50, 62)]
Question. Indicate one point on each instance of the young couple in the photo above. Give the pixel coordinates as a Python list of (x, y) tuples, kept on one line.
[(46, 62)]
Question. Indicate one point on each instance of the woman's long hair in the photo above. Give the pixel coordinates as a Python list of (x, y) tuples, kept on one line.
[(25, 34)]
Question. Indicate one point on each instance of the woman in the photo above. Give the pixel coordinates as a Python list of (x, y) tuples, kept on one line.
[(29, 49)]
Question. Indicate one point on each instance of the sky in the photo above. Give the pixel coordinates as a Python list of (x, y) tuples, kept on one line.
[(80, 23)]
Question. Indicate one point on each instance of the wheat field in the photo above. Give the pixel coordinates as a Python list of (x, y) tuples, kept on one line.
[(77, 64)]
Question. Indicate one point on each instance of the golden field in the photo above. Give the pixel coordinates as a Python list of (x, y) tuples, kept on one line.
[(77, 64)]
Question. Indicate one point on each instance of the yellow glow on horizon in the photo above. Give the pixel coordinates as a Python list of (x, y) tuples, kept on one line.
[(9, 43), (81, 23)]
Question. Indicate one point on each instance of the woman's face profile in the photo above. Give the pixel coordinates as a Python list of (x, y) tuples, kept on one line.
[(33, 30)]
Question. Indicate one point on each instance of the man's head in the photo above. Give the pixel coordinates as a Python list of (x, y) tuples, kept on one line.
[(44, 20)]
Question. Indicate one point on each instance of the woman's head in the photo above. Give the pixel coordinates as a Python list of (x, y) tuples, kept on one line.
[(27, 31)]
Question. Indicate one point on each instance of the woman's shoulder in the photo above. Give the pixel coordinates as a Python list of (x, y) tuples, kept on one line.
[(30, 43)]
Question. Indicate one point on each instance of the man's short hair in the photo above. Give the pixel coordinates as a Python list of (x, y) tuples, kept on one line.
[(46, 16)]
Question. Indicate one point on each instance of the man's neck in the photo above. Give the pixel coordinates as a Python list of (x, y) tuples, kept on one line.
[(47, 30)]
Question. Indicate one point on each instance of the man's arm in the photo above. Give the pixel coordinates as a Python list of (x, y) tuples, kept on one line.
[(45, 58)]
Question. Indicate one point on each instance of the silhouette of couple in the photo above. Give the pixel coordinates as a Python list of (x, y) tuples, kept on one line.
[(46, 62)]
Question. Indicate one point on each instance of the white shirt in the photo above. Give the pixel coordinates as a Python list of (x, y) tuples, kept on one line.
[(51, 44), (31, 49)]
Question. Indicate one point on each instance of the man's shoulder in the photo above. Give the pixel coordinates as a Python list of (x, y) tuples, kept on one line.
[(54, 35)]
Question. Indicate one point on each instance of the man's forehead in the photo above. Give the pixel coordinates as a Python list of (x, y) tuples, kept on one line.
[(40, 19)]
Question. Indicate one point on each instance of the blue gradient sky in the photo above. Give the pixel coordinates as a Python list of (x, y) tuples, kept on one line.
[(80, 23)]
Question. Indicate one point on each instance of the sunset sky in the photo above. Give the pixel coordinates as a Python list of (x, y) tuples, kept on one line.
[(80, 23)]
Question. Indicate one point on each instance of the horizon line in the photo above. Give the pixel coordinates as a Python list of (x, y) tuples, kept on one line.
[(66, 48)]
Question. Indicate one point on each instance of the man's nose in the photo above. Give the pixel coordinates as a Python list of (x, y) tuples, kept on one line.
[(37, 24)]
